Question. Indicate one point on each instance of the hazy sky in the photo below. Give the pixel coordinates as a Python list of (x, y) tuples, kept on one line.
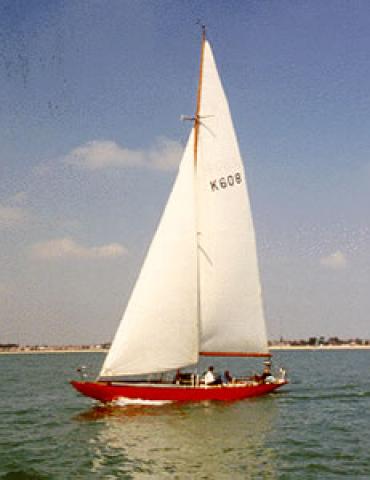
[(90, 98)]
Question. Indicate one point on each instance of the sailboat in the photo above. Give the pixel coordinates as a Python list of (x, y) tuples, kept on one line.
[(198, 292)]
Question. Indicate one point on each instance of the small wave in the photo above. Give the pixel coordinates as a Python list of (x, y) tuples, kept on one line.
[(22, 475), (364, 394), (327, 396), (124, 401)]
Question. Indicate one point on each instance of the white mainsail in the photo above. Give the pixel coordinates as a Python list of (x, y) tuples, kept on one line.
[(232, 318), (199, 287)]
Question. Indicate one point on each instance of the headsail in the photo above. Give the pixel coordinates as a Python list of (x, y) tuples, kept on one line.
[(158, 331), (231, 313)]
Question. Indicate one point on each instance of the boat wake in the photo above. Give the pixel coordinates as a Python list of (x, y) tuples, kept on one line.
[(124, 401)]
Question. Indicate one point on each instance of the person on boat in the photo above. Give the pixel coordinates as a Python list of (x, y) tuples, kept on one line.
[(177, 378), (267, 376), (210, 379), (227, 378)]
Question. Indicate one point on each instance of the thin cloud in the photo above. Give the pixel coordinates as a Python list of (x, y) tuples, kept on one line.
[(164, 154), (43, 169), (12, 216), (67, 248), (335, 261), (18, 198), (5, 290)]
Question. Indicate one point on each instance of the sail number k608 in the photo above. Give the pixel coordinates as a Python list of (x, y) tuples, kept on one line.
[(225, 182)]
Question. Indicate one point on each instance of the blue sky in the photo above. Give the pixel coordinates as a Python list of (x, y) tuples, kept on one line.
[(90, 99)]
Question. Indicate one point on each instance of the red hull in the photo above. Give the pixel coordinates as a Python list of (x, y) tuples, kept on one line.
[(106, 392)]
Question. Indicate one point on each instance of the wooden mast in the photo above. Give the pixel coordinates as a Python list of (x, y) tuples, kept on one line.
[(196, 137), (199, 97)]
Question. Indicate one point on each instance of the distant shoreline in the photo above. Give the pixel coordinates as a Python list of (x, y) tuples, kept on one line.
[(53, 350), (320, 347), (102, 350)]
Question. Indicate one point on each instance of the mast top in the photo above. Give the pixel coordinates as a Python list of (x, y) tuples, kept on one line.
[(203, 27), (199, 94)]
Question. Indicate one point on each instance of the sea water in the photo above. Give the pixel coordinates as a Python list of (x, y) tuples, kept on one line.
[(316, 427)]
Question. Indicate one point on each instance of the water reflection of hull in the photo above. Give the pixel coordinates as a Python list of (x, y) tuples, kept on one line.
[(214, 440), (108, 392)]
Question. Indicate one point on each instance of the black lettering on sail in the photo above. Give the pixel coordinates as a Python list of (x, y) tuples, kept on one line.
[(225, 182), (222, 182)]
